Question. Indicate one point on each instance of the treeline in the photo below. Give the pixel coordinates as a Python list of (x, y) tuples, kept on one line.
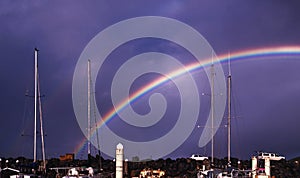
[(180, 167)]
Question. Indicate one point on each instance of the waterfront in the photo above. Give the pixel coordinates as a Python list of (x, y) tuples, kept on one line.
[(181, 167)]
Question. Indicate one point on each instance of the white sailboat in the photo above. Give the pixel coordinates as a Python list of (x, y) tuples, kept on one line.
[(211, 172), (37, 100), (37, 114), (76, 171), (229, 172)]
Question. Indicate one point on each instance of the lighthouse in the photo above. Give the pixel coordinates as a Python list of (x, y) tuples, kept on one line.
[(119, 160)]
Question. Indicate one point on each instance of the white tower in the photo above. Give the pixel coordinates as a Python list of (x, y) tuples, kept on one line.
[(267, 167), (119, 161), (254, 166)]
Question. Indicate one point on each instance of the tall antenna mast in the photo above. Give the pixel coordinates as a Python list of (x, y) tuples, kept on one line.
[(35, 100), (229, 111), (212, 107), (89, 107)]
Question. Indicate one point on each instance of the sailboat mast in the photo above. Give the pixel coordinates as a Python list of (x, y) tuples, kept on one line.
[(92, 101), (41, 127), (35, 101), (89, 107), (229, 112), (212, 108)]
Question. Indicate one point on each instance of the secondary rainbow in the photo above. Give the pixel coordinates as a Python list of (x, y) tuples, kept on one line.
[(240, 55)]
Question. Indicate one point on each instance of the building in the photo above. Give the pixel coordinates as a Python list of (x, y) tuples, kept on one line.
[(67, 157)]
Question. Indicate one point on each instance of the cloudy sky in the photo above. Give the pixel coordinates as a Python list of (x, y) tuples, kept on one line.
[(266, 88)]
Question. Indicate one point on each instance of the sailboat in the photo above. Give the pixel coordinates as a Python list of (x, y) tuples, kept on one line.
[(37, 114), (229, 171), (77, 171), (37, 100), (211, 172)]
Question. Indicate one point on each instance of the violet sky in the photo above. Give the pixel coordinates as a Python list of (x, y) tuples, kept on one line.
[(266, 92)]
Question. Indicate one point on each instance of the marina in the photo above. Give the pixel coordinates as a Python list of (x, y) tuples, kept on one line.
[(196, 166), (179, 168), (149, 89)]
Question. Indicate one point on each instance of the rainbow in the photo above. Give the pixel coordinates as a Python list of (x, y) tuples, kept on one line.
[(240, 55)]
